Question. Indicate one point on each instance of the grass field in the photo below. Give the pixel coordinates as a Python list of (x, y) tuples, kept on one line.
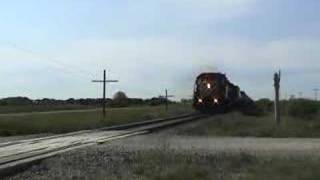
[(237, 124), (40, 108), (231, 124), (73, 121)]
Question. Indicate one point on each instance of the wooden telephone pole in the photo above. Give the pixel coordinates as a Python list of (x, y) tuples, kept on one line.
[(316, 93), (104, 81), (277, 78), (167, 99)]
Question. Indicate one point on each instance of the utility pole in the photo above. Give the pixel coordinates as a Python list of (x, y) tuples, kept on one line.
[(277, 78), (316, 93), (167, 98), (104, 81)]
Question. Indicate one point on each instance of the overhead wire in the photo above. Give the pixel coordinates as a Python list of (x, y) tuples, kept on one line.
[(67, 68)]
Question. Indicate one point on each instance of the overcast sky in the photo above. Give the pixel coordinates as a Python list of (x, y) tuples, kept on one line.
[(55, 48)]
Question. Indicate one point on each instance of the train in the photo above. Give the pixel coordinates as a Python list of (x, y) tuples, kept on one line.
[(214, 93)]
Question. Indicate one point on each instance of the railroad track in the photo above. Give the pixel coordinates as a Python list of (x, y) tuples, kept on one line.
[(18, 155)]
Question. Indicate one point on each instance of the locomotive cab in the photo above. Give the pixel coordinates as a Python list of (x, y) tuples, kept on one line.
[(210, 91), (213, 92)]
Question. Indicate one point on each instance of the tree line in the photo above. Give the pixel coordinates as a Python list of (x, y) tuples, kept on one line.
[(301, 108), (119, 99)]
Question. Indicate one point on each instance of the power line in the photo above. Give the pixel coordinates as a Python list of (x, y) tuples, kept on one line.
[(57, 63)]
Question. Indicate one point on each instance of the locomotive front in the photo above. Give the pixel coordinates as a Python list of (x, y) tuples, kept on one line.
[(209, 91)]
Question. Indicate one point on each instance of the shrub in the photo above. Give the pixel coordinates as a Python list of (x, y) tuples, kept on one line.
[(120, 99), (16, 101), (156, 101), (3, 103), (265, 105), (303, 108), (253, 111)]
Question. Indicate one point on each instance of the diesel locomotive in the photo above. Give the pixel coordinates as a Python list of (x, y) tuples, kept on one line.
[(213, 92)]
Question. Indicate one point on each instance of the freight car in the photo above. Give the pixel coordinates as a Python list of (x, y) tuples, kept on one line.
[(213, 92)]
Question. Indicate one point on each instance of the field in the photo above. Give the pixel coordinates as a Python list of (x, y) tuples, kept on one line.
[(237, 124), (63, 122), (230, 124), (159, 157), (41, 108)]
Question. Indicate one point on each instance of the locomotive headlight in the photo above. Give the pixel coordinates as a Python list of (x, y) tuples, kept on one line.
[(215, 100), (200, 100), (209, 86)]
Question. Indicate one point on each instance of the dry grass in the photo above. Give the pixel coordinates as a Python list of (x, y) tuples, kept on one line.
[(162, 164)]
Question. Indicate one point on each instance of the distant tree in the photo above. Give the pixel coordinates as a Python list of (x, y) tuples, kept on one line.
[(264, 104), (156, 101), (120, 99), (135, 101), (119, 96), (16, 101), (71, 101), (3, 103), (186, 101), (292, 97), (303, 108)]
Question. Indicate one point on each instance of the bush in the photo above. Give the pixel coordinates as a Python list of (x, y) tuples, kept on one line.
[(253, 111), (14, 101), (303, 108), (265, 105), (120, 99), (156, 101), (3, 103)]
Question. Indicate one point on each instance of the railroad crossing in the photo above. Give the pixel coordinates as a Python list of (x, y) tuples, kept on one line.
[(21, 153)]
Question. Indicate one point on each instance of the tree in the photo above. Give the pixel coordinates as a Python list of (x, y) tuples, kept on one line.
[(16, 101), (264, 104), (120, 99)]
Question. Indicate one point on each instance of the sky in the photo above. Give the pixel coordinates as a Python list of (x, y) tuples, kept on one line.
[(54, 49)]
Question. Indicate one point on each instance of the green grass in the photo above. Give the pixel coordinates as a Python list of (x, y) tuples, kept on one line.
[(40, 108), (74, 121), (285, 169), (163, 166), (237, 124)]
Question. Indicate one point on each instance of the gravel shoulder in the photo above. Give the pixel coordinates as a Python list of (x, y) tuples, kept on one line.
[(25, 137), (250, 145)]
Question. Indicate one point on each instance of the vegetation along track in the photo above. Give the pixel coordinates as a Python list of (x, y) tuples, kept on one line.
[(18, 155)]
